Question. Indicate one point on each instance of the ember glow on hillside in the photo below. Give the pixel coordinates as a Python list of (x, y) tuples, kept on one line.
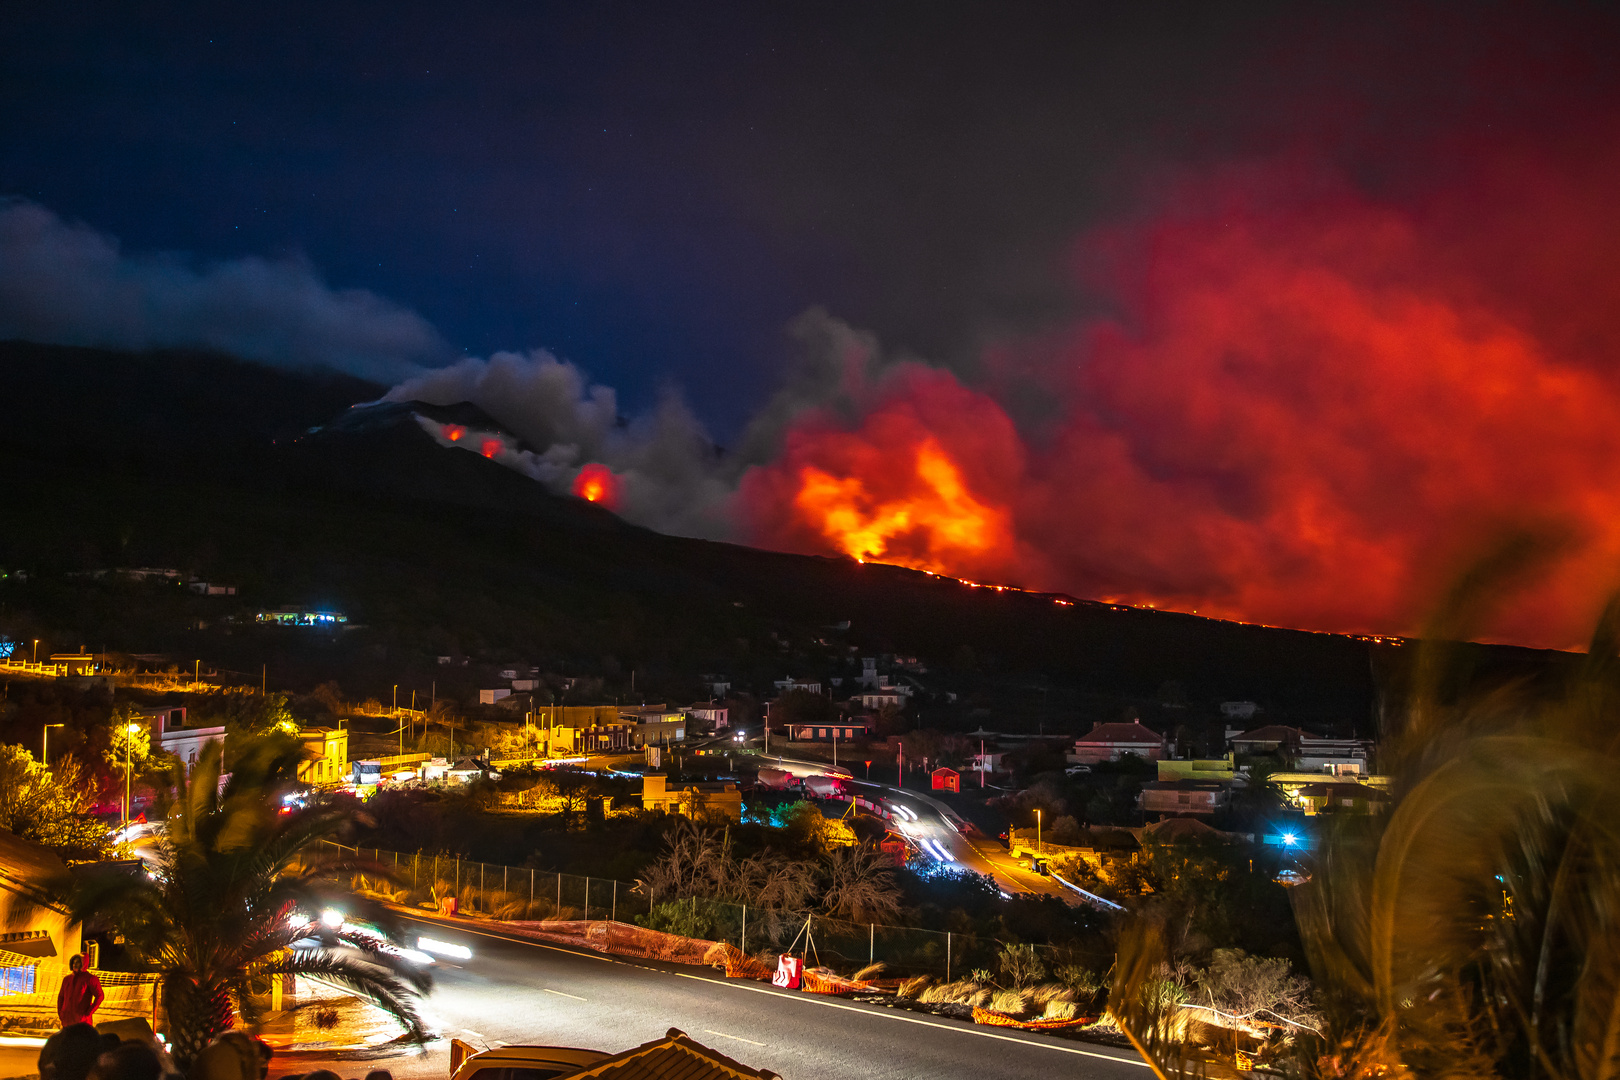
[(596, 483)]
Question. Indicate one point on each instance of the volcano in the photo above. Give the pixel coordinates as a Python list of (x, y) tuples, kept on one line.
[(299, 488)]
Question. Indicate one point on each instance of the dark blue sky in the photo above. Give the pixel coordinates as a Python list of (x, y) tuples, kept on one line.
[(653, 191)]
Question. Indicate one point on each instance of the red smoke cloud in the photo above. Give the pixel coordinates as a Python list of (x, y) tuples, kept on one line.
[(1302, 415)]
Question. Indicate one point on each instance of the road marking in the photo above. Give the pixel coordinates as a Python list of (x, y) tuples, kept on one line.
[(889, 1014), (474, 1034), (520, 940), (892, 1015), (739, 1038), (559, 993)]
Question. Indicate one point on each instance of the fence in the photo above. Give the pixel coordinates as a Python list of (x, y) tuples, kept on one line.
[(127, 995), (492, 890)]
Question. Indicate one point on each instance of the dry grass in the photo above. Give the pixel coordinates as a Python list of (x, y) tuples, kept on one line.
[(870, 971), (1046, 993), (912, 987), (961, 992), (1059, 1010), (1011, 1002)]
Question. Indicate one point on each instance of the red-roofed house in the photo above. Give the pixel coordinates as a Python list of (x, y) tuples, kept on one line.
[(1271, 739), (1110, 742)]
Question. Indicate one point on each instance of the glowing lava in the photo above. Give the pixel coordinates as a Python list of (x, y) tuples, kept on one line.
[(490, 447), (596, 483), (939, 514), (454, 432)]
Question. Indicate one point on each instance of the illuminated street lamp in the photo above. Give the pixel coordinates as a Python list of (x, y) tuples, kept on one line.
[(45, 744), (1040, 847), (36, 650)]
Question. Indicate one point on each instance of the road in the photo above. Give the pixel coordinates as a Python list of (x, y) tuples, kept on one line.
[(977, 854), (514, 991)]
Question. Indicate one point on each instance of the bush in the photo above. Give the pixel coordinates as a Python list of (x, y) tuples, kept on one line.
[(1060, 1010), (1020, 965)]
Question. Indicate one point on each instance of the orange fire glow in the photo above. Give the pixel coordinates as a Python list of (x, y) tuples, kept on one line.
[(490, 447), (454, 432), (942, 520), (596, 483)]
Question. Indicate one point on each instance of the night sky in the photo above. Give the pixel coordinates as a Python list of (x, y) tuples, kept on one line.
[(659, 195)]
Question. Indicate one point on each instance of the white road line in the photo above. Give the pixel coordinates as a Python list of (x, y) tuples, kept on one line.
[(559, 993), (891, 1015), (739, 1038), (887, 1014)]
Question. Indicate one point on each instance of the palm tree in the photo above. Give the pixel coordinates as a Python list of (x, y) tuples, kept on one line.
[(230, 895)]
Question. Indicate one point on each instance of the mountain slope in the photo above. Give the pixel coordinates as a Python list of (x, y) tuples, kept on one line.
[(211, 466)]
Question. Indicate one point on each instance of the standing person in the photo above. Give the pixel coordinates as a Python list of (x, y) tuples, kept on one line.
[(81, 994)]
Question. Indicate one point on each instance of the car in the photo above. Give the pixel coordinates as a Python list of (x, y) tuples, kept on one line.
[(525, 1062), (1076, 770)]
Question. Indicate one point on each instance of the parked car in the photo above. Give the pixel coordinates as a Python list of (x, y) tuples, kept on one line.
[(526, 1063), (1076, 770)]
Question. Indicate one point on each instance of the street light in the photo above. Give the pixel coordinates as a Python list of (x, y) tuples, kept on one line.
[(45, 744), (1040, 847), (36, 650)]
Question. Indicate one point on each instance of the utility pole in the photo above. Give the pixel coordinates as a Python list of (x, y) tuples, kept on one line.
[(264, 679), (45, 744), (900, 764)]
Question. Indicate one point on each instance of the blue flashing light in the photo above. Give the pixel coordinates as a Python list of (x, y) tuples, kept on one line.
[(1289, 839)]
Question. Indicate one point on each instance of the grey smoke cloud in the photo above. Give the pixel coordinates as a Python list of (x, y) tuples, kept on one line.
[(66, 283), (673, 477)]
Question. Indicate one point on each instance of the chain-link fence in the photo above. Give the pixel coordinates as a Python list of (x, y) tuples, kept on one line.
[(512, 893)]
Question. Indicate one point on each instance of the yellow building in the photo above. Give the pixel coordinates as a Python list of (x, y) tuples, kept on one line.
[(696, 801), (326, 756)]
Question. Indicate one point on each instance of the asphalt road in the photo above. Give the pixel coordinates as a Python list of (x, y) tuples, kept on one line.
[(513, 991), (981, 855)]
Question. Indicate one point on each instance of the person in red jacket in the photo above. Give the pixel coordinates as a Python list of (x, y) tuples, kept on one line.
[(81, 994)]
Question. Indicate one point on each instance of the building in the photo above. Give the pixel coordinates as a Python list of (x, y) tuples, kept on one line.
[(1219, 769), (1333, 755), (789, 684), (490, 697), (1172, 797), (988, 761), (608, 738), (696, 801), (841, 730), (1319, 793), (1110, 742), (326, 756), (74, 663), (717, 717), (947, 780), (876, 699), (1271, 739), (655, 725), (171, 735), (36, 935)]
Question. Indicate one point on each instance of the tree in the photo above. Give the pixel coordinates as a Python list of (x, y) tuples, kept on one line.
[(233, 898), (50, 807), (801, 707), (860, 885)]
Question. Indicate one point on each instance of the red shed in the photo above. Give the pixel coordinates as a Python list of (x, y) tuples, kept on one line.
[(947, 780)]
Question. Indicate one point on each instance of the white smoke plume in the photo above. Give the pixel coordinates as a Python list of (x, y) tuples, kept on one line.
[(65, 283)]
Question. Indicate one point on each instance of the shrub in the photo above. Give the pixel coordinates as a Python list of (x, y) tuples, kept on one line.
[(1060, 1010), (1020, 965)]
